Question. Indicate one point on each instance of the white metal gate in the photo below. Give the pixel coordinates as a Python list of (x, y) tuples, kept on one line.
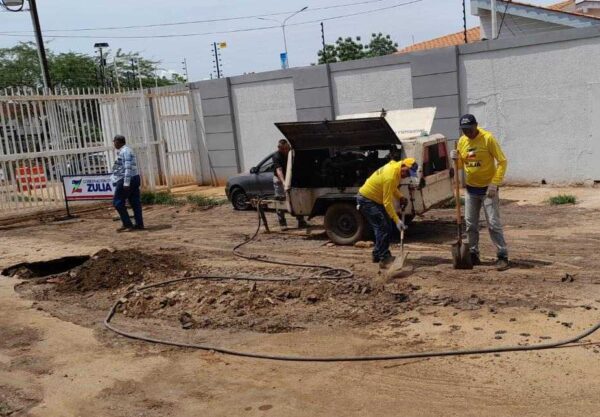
[(173, 112), (70, 132)]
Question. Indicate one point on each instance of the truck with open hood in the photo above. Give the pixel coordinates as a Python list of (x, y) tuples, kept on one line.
[(330, 159)]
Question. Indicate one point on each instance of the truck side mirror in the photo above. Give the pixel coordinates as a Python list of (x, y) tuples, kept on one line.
[(254, 170)]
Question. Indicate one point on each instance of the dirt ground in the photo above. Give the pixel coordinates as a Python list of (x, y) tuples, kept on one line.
[(57, 359)]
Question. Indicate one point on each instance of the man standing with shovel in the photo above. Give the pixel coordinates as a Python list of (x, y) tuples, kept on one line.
[(480, 156)]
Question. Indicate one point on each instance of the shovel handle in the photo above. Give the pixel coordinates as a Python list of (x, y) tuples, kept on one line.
[(457, 196)]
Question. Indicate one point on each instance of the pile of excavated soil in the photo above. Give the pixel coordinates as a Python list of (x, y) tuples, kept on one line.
[(115, 269), (274, 306)]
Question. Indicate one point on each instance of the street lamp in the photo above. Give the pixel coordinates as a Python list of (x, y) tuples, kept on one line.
[(286, 63), (99, 47)]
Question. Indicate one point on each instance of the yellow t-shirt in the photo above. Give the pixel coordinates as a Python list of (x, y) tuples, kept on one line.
[(482, 159), (382, 187)]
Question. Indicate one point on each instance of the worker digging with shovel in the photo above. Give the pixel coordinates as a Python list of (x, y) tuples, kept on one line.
[(376, 202), (480, 156)]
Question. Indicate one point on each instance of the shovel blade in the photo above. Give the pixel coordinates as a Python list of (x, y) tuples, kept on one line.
[(461, 256)]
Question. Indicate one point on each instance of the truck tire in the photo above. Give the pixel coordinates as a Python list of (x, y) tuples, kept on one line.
[(344, 224)]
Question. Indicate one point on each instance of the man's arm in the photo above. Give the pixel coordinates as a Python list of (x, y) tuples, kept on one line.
[(501, 161), (127, 161), (388, 199), (279, 173)]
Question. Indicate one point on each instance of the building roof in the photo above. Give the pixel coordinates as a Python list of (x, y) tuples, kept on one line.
[(458, 38), (474, 34)]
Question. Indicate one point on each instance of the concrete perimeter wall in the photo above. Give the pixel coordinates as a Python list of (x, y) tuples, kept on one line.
[(538, 94)]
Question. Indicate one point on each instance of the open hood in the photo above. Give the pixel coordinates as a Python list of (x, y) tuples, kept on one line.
[(366, 131), (407, 124)]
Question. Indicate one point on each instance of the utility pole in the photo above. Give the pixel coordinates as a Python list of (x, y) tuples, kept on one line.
[(464, 22), (100, 47), (40, 44), (17, 6), (323, 36), (217, 57), (185, 70)]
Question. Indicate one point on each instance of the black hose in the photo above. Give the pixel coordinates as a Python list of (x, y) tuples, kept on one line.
[(329, 272), (335, 273)]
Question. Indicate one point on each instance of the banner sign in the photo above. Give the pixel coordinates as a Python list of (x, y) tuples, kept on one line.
[(88, 187)]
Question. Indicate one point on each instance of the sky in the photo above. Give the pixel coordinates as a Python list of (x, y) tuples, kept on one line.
[(246, 51)]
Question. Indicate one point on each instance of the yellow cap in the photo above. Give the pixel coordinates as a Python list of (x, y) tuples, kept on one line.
[(408, 162)]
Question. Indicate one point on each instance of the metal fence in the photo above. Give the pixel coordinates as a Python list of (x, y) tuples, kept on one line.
[(69, 132)]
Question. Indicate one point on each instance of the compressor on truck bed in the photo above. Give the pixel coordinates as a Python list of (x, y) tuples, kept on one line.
[(329, 160)]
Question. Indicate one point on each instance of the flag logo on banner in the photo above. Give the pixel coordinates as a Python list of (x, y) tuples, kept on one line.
[(77, 185)]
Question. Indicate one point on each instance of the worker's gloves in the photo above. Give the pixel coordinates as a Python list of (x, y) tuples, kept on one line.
[(454, 154), (492, 190), (401, 226)]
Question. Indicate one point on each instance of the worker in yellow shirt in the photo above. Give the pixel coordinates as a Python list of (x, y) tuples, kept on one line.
[(376, 202), (480, 156)]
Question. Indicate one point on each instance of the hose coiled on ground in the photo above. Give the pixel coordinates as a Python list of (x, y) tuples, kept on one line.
[(328, 273)]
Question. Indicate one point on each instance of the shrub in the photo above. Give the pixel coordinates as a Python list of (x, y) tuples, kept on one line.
[(161, 197), (562, 199), (203, 201)]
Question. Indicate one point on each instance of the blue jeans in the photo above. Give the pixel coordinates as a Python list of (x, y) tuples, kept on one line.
[(133, 196), (380, 223), (491, 209)]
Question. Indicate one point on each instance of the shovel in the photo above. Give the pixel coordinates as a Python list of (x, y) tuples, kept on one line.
[(397, 269), (461, 256)]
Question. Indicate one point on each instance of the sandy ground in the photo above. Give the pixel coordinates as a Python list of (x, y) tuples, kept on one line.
[(56, 359)]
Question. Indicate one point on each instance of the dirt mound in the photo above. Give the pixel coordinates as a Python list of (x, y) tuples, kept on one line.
[(115, 269), (272, 307)]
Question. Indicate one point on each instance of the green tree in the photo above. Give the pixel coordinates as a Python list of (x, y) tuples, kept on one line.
[(328, 54), (73, 70), (381, 45), (349, 49), (19, 66)]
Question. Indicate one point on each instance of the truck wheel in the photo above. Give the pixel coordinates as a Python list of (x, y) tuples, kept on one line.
[(344, 224)]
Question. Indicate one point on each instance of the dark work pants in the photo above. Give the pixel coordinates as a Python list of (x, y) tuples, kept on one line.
[(133, 196), (380, 223)]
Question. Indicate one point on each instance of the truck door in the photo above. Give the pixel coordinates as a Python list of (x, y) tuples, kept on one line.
[(436, 173)]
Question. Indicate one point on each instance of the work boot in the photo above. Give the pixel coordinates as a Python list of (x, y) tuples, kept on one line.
[(375, 259), (502, 264), (475, 259), (124, 229), (302, 224), (386, 262)]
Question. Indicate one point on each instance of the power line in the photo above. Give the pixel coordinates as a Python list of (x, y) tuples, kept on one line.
[(224, 19), (503, 16), (13, 34)]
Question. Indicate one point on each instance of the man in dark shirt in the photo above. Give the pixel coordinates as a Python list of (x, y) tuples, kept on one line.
[(280, 165)]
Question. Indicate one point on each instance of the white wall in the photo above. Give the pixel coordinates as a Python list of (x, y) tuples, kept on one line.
[(370, 89), (257, 106), (543, 104)]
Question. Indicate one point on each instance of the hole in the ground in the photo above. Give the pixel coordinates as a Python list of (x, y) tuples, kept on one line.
[(44, 268)]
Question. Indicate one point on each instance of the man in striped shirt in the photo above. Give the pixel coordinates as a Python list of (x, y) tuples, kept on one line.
[(126, 182)]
